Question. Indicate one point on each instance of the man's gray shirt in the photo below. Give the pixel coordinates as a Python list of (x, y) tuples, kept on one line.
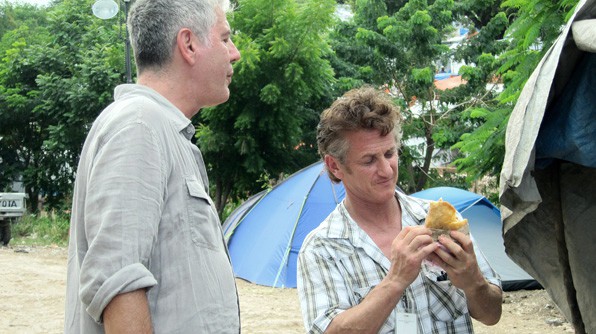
[(142, 218)]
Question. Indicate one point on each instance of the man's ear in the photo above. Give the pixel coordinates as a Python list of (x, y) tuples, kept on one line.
[(186, 43), (332, 165)]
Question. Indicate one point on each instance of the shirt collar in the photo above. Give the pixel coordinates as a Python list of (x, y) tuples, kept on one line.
[(173, 114), (414, 207)]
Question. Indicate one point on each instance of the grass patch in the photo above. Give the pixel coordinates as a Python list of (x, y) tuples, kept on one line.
[(41, 230)]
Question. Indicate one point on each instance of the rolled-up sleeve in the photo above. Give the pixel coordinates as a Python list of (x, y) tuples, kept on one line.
[(124, 201), (322, 294), (129, 278)]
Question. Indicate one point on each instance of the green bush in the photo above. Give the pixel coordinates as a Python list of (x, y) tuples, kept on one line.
[(41, 230)]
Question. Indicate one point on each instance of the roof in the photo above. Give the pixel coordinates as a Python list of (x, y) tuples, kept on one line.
[(449, 83)]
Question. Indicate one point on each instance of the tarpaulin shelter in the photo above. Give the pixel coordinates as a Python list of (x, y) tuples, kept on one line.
[(548, 180), (265, 233)]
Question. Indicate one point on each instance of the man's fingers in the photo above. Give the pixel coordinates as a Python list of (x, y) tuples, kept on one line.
[(444, 255), (408, 233), (416, 239), (413, 245), (421, 241), (463, 240), (434, 258), (453, 247), (427, 250)]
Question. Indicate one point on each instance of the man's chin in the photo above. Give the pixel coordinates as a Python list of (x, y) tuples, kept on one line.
[(386, 192), (217, 101), (389, 185)]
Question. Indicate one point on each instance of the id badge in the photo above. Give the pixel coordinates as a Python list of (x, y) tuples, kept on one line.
[(406, 323)]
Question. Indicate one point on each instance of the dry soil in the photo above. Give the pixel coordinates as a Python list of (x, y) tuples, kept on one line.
[(32, 284)]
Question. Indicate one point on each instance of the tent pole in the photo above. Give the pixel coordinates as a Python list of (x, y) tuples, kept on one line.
[(289, 246)]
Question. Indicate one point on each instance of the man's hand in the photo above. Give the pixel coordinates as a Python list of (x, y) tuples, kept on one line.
[(411, 246), (459, 261)]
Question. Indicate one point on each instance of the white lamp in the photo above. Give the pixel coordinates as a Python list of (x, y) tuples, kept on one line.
[(105, 9)]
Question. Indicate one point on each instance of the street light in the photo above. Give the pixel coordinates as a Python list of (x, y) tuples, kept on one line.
[(107, 9)]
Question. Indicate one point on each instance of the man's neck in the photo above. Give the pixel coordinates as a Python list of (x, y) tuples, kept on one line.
[(385, 216), (382, 223), (172, 90)]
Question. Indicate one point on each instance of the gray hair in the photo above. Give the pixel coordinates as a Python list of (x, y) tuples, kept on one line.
[(154, 24)]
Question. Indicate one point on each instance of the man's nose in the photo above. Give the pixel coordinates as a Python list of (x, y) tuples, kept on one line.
[(234, 53), (385, 167)]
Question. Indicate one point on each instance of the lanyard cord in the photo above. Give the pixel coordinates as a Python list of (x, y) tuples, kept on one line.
[(404, 299)]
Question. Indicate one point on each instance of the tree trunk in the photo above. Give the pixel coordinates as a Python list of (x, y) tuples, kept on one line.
[(430, 147), (222, 192), (32, 200)]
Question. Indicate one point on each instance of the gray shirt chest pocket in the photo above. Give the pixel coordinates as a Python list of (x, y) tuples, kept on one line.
[(201, 216)]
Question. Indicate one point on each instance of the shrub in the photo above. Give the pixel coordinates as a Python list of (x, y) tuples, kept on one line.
[(41, 230)]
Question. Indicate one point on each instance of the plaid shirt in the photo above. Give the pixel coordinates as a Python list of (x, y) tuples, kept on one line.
[(339, 264)]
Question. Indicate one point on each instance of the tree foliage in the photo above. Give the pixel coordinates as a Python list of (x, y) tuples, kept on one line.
[(59, 65), (280, 85), (535, 24), (57, 72), (400, 44)]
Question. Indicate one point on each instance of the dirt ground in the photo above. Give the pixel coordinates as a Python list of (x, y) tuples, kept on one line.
[(32, 283)]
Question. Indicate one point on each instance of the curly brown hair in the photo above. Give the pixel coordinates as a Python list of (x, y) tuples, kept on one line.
[(364, 108)]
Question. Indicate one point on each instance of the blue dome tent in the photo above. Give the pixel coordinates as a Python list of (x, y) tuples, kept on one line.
[(265, 233)]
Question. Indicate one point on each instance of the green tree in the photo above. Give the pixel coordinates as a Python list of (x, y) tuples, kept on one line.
[(535, 26), (488, 22), (401, 43), (279, 88), (55, 78), (12, 16)]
